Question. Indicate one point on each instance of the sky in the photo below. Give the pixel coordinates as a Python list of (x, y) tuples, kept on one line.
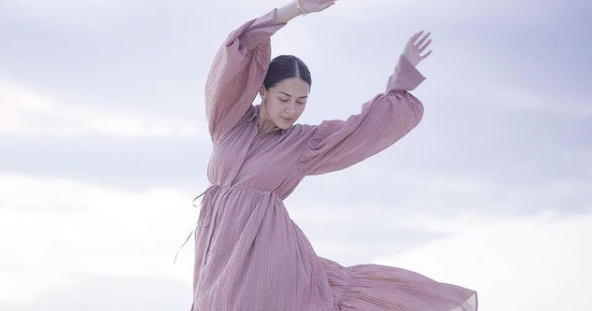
[(104, 145)]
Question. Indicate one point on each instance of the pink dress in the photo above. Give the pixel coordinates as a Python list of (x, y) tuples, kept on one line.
[(249, 253)]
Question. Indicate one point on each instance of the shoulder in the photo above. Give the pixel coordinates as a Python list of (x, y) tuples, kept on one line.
[(302, 132)]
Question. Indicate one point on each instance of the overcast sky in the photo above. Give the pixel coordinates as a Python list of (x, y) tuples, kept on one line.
[(104, 145)]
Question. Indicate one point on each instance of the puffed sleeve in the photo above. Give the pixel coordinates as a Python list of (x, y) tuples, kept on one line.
[(337, 144), (237, 72)]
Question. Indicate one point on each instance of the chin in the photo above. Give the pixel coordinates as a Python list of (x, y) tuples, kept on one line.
[(284, 123)]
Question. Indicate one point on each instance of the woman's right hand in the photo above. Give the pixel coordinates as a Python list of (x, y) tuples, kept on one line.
[(312, 6)]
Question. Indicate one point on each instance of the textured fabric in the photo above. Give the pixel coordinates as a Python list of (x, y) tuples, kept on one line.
[(249, 254)]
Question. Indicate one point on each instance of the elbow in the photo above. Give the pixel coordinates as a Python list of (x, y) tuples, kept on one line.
[(417, 107), (412, 104)]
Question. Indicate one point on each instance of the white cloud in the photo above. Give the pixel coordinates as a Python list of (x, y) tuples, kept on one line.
[(353, 222), (405, 193), (545, 101), (532, 263), (56, 231), (26, 112), (61, 8)]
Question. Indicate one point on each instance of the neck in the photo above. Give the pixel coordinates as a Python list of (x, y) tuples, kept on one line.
[(264, 125)]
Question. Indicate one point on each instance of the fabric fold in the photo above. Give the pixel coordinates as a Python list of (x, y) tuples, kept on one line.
[(373, 287)]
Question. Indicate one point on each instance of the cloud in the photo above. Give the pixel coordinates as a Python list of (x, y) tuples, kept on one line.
[(444, 204), (548, 101), (400, 192), (28, 113), (378, 214), (82, 229), (96, 293), (515, 263), (57, 231), (59, 8)]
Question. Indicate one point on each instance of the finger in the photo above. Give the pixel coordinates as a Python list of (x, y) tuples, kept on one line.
[(428, 54), (425, 45), (415, 36), (423, 39)]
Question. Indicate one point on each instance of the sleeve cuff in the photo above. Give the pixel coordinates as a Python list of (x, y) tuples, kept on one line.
[(405, 78), (260, 29)]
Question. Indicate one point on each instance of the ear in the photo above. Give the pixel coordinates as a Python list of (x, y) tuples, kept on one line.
[(262, 92)]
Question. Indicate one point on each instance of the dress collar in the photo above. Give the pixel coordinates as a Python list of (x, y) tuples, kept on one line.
[(255, 117)]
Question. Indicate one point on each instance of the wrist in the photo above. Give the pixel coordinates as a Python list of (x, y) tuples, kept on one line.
[(302, 10), (288, 12)]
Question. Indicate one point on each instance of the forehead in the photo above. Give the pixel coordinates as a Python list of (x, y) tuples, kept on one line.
[(292, 87)]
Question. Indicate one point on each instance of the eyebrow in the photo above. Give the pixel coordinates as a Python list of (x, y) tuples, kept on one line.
[(291, 95)]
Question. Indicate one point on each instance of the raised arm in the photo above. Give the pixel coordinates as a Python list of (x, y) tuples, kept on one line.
[(337, 144), (237, 71), (239, 67)]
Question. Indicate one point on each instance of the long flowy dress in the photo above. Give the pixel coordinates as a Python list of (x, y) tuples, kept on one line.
[(249, 254)]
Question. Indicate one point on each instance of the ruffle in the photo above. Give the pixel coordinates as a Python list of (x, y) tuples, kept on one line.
[(373, 287)]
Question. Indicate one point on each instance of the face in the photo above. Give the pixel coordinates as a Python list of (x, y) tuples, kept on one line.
[(284, 102)]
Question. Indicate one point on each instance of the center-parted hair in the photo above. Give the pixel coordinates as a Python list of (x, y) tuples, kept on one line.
[(285, 67)]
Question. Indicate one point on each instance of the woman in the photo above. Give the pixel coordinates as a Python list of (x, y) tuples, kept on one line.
[(250, 255)]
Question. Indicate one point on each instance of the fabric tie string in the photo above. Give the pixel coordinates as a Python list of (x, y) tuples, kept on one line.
[(202, 215)]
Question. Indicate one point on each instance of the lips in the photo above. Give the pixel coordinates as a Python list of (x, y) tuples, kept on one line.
[(288, 120)]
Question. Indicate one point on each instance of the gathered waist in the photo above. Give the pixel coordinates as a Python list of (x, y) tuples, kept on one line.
[(214, 186), (205, 211)]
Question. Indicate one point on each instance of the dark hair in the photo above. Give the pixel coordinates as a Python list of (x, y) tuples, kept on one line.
[(284, 67)]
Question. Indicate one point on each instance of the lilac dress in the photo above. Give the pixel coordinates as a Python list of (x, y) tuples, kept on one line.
[(249, 253)]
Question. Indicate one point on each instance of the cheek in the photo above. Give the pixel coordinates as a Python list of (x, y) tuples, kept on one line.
[(276, 107), (301, 110), (271, 106)]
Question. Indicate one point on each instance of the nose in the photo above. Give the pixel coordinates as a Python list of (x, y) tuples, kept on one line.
[(291, 108)]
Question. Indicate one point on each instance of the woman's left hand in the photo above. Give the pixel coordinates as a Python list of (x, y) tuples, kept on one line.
[(412, 49)]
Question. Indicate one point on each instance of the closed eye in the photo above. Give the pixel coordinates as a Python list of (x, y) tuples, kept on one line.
[(287, 100)]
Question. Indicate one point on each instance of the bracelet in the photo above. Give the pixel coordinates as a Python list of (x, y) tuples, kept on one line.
[(299, 6)]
